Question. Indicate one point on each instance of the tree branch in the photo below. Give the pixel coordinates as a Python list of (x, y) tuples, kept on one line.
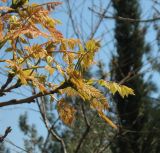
[(100, 21), (125, 19), (72, 20), (14, 86), (7, 131), (8, 81), (50, 128), (31, 98), (107, 145), (85, 132), (14, 10)]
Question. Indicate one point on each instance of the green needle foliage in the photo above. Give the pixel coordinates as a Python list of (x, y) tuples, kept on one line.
[(131, 48)]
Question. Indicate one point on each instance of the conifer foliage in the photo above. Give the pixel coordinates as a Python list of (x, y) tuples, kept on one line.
[(131, 48)]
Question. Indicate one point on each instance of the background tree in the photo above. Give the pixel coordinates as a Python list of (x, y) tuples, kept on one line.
[(131, 48)]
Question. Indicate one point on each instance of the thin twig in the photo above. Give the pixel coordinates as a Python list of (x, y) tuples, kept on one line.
[(18, 147), (16, 85), (100, 21), (8, 81), (107, 146), (31, 98), (85, 132), (71, 18), (124, 18), (50, 128), (7, 131)]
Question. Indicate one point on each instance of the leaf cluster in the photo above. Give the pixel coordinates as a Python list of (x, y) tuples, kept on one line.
[(32, 61)]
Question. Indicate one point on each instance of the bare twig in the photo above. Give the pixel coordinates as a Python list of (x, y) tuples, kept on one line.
[(125, 19), (99, 21), (46, 141), (126, 78), (8, 81), (14, 86), (31, 98), (107, 145), (84, 115), (85, 132), (7, 131), (18, 147), (72, 20), (50, 128)]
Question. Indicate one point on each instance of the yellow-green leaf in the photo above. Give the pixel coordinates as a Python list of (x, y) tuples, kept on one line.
[(49, 69), (115, 87)]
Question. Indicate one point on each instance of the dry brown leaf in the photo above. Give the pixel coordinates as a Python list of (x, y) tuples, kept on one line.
[(66, 112)]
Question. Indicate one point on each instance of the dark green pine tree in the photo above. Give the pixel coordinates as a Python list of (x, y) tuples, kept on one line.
[(132, 113)]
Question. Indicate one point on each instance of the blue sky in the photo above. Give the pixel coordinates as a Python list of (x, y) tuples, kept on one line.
[(9, 115)]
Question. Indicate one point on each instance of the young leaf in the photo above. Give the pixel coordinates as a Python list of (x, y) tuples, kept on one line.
[(115, 87), (49, 69), (66, 112)]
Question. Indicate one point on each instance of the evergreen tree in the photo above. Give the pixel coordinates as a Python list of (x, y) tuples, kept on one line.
[(132, 113)]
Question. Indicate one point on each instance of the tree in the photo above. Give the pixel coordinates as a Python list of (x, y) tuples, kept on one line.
[(28, 61), (132, 112)]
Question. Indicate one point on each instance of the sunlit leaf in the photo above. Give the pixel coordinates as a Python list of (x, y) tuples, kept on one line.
[(66, 112), (49, 69), (115, 87), (34, 45)]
